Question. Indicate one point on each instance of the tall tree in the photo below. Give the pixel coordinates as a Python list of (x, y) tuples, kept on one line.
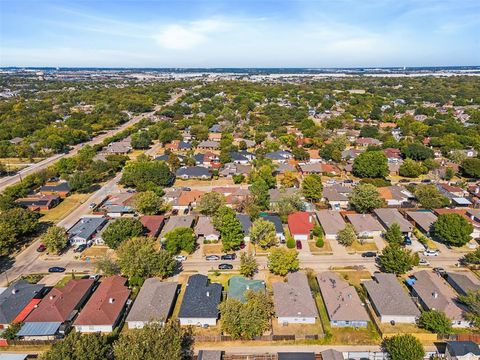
[(365, 198), (54, 239), (370, 164), (435, 321), (181, 238), (347, 235), (312, 187), (263, 233), (230, 228), (281, 261), (149, 203), (453, 229), (394, 259), (210, 203), (472, 302), (404, 347), (122, 229), (248, 265), (78, 346), (394, 234), (430, 197)]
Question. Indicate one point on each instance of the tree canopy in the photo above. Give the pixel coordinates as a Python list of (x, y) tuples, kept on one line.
[(453, 229), (263, 233), (365, 198), (370, 164), (312, 187), (78, 346), (180, 239), (397, 260), (404, 347), (281, 261), (122, 229)]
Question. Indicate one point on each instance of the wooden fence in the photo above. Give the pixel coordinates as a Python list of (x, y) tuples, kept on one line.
[(219, 338)]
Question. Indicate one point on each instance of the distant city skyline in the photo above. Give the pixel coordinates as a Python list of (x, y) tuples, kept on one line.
[(316, 34)]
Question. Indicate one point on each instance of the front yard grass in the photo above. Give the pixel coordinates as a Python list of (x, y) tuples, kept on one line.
[(221, 277), (64, 208), (326, 249), (212, 249), (358, 247), (95, 252)]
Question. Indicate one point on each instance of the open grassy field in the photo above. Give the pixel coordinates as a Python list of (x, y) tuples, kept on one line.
[(64, 208)]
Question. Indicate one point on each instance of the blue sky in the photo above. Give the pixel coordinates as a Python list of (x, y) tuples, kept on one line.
[(229, 33)]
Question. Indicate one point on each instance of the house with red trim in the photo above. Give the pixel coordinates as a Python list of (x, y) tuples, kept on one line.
[(300, 224)]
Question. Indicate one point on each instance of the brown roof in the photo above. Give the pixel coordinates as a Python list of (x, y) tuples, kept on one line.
[(153, 223), (188, 197), (106, 303), (59, 303), (294, 298), (340, 298)]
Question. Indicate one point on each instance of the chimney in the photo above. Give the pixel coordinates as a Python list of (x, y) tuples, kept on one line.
[(111, 300), (208, 293), (435, 294), (14, 291)]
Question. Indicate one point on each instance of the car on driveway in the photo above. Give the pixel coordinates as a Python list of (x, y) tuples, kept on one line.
[(212, 257), (41, 248), (92, 205), (225, 267), (80, 248), (423, 262), (369, 254), (298, 243), (430, 252), (228, 257), (440, 271), (56, 269), (180, 258)]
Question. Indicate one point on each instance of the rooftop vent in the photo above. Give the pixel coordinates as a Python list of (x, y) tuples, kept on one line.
[(111, 300)]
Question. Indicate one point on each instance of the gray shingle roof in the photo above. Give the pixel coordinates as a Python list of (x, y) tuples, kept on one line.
[(201, 299), (193, 171), (461, 348), (390, 216), (296, 356), (331, 354), (177, 221), (154, 301), (14, 299), (464, 281), (86, 227), (294, 298), (246, 223), (423, 219), (331, 221), (389, 297), (275, 219)]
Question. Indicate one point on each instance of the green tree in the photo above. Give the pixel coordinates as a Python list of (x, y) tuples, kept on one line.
[(289, 179), (347, 235), (417, 151), (365, 198), (370, 164), (149, 203), (263, 233), (245, 320), (107, 266), (259, 190), (430, 197), (78, 346), (54, 239), (229, 227), (122, 229), (248, 265), (290, 242), (397, 260), (180, 239), (288, 204), (452, 229), (435, 321), (145, 174), (472, 302), (411, 168), (140, 256), (141, 140), (394, 234), (23, 221), (155, 342), (11, 331), (312, 187), (471, 167), (210, 203), (404, 347), (473, 257), (81, 181), (281, 261)]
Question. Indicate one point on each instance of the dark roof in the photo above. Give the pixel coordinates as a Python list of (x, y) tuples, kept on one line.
[(464, 281), (58, 187), (460, 348), (246, 223), (193, 171), (209, 355), (201, 298), (184, 145), (275, 219), (87, 226), (278, 155), (296, 356), (236, 156), (199, 158), (14, 299)]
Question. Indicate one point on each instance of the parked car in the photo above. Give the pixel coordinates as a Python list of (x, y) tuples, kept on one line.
[(225, 266), (407, 240), (80, 248), (94, 277), (41, 248), (92, 206), (423, 262), (180, 258), (212, 257), (426, 181), (369, 254), (56, 269), (431, 252), (298, 243), (242, 245), (439, 271), (228, 257)]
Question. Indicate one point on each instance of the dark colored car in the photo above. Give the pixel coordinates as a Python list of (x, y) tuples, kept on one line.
[(298, 243), (229, 257), (56, 269), (212, 257), (426, 181), (41, 248), (369, 254), (242, 245), (225, 266), (80, 248), (407, 240)]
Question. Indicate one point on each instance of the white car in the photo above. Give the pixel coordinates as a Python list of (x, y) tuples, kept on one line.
[(430, 252), (180, 258), (94, 277), (423, 262)]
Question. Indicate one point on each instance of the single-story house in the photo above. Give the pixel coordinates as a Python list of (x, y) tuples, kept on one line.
[(465, 213), (296, 356), (462, 350), (61, 189), (300, 224), (337, 196), (153, 224), (86, 229), (279, 155), (293, 300), (331, 222), (176, 222), (193, 172), (231, 169), (395, 196), (103, 311), (118, 205), (187, 200), (282, 168), (365, 225), (423, 220), (389, 301), (205, 229), (367, 141), (17, 301), (463, 282), (277, 194), (208, 145), (344, 307), (331, 354), (434, 293), (210, 355), (388, 217), (200, 302), (239, 285), (59, 307), (154, 302), (246, 225), (39, 202), (277, 222)]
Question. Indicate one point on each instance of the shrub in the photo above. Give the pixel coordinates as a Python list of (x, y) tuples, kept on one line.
[(290, 242)]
